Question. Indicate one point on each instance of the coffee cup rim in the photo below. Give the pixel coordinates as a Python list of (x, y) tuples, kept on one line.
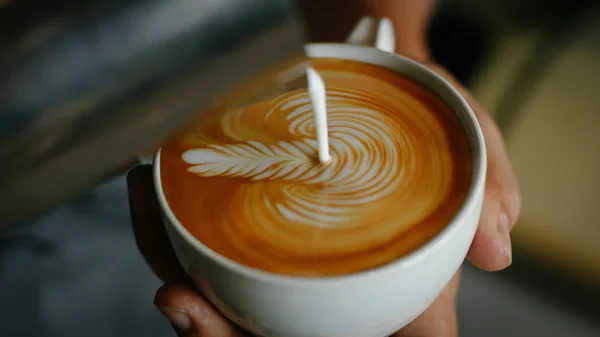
[(387, 60)]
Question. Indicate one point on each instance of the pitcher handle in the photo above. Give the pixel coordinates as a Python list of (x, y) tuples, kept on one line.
[(377, 33)]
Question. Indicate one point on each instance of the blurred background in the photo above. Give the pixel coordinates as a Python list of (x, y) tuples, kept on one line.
[(534, 64)]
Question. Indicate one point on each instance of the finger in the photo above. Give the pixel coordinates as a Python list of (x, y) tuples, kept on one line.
[(191, 315), (150, 234), (491, 248), (439, 320)]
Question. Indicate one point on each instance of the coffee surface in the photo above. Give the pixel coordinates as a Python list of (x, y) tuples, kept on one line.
[(249, 186)]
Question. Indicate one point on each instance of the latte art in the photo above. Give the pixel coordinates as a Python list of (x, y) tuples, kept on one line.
[(321, 195), (250, 186)]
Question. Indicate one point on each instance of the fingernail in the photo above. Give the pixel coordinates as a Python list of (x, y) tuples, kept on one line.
[(504, 230), (178, 317)]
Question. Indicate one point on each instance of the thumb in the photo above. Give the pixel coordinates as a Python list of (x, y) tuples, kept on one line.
[(191, 315)]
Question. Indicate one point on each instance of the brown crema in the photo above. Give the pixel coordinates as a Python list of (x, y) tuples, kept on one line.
[(247, 184)]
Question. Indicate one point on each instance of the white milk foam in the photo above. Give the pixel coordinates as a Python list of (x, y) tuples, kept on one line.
[(365, 161)]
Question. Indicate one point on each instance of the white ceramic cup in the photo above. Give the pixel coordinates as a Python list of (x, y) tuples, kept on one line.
[(374, 303)]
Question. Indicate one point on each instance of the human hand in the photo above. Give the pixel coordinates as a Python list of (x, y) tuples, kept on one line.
[(192, 315), (491, 249)]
